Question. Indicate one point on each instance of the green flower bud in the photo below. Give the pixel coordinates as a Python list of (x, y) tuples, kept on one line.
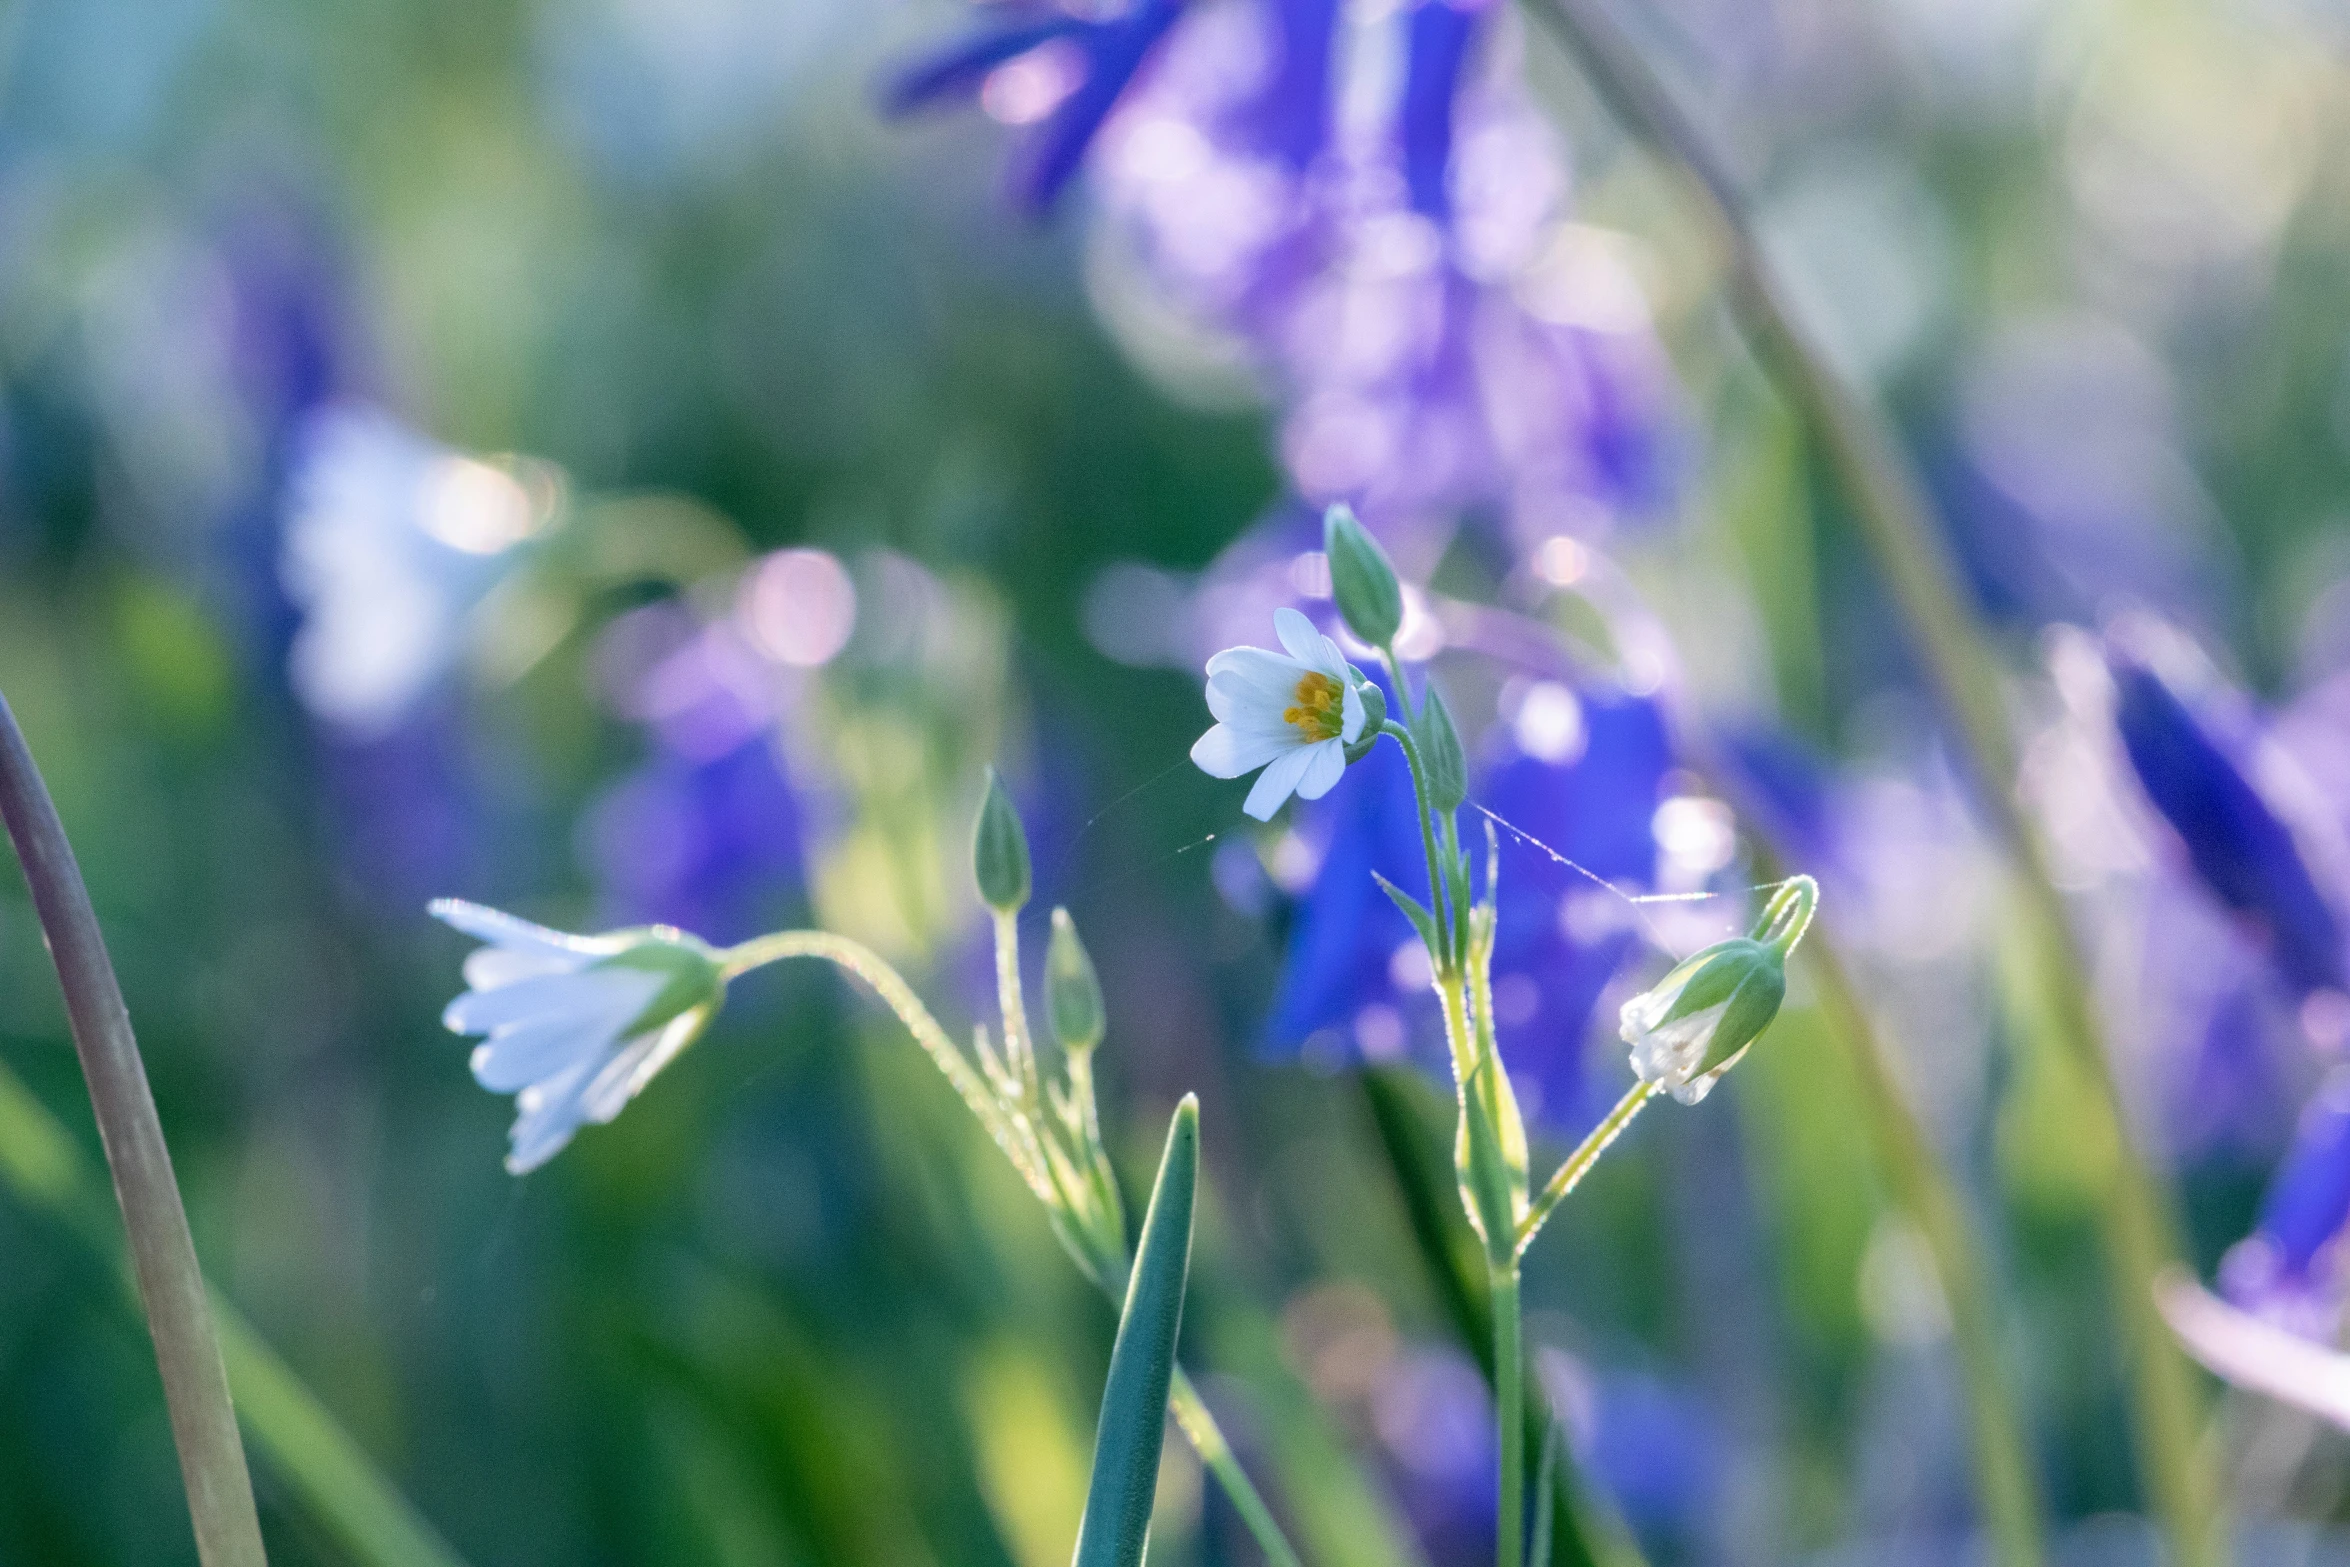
[(1441, 755), (1699, 1019), (1072, 995), (1362, 578), (999, 851)]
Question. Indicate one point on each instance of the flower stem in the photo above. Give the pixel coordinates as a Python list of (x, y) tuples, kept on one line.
[(1443, 957), (1570, 1174), (163, 1254), (1890, 509), (1509, 1407), (1191, 1412), (1207, 1440)]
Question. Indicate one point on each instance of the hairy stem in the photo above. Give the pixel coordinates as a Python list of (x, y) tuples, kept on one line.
[(1895, 521), (163, 1254), (1192, 1414), (1442, 958), (1570, 1174)]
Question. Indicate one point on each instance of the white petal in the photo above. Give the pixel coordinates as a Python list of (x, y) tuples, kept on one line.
[(617, 993), (1304, 643), (1226, 752), (487, 968), (1325, 765), (2255, 1354), (1277, 781), (1269, 673), (1351, 715), (501, 929), (1237, 700)]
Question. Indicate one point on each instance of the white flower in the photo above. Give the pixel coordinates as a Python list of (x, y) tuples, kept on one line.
[(1294, 716), (1698, 1020), (577, 1025), (391, 540)]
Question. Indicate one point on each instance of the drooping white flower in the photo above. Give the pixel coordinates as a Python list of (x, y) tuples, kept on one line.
[(1694, 1024), (1293, 716), (576, 1025)]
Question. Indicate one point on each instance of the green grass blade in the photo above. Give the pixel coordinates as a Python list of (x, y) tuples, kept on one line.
[(1133, 1424)]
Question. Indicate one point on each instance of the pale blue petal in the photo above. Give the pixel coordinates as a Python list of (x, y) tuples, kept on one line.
[(538, 1052), (618, 993), (501, 929), (1277, 782), (1276, 677), (1325, 765), (1298, 635), (1226, 752), (1351, 716)]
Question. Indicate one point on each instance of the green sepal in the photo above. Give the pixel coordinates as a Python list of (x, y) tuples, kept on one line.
[(1422, 921), (1072, 992), (690, 973), (1374, 716), (1440, 753), (999, 851), (1743, 976), (1488, 1191), (1132, 1429), (1362, 578)]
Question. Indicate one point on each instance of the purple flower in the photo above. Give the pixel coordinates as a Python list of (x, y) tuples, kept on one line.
[(1093, 63), (2237, 844), (1439, 33), (2287, 1268), (708, 833)]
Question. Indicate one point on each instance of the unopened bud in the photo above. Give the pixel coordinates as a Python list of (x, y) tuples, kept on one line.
[(999, 851), (1362, 578), (1072, 994)]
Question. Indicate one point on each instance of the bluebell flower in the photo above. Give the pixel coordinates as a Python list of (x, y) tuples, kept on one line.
[(1354, 982), (2238, 846), (1290, 118), (712, 845), (1439, 33), (2287, 1268), (1108, 52)]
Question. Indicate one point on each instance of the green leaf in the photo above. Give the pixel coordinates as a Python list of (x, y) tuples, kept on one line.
[(1422, 921), (1441, 754), (1362, 578), (1133, 1425), (1072, 994), (999, 851)]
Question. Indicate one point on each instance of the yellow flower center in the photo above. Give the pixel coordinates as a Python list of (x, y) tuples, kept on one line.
[(1320, 710)]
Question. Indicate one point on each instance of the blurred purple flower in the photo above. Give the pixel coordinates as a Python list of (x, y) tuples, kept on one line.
[(2288, 1269), (1071, 72), (709, 832), (1395, 262), (2244, 854)]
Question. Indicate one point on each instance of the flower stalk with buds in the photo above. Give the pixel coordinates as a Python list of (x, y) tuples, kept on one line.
[(578, 1025), (1685, 1033)]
